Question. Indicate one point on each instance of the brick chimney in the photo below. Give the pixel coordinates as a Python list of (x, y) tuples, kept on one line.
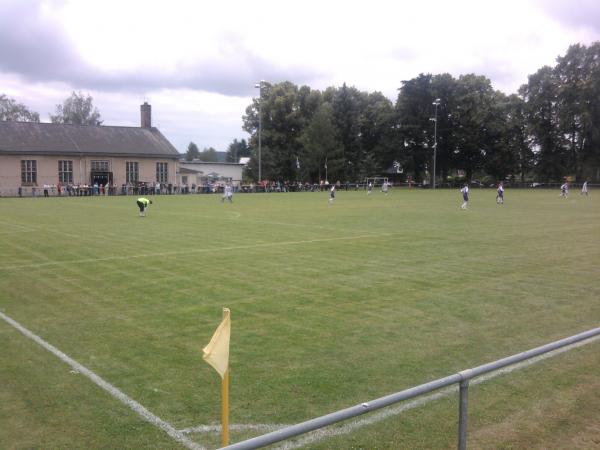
[(146, 112)]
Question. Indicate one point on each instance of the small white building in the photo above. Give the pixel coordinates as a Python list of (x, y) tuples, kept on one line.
[(201, 174)]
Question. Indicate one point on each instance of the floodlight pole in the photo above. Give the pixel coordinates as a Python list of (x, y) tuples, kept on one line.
[(436, 104), (259, 86)]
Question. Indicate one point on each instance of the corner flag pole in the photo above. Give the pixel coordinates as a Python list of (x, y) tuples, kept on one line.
[(216, 353), (225, 409), (225, 396)]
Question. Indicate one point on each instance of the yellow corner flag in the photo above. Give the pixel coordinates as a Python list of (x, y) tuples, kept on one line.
[(216, 353)]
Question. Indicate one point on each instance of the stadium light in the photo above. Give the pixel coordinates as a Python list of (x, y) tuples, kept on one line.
[(259, 86), (436, 104)]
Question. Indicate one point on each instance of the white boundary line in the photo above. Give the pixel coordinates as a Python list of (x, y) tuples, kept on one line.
[(386, 413), (264, 427), (116, 393)]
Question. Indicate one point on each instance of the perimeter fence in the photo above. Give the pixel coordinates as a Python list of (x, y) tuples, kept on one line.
[(461, 378)]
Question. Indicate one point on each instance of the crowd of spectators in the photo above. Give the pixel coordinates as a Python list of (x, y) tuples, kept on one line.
[(151, 188)]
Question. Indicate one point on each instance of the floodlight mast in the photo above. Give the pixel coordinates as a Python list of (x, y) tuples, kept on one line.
[(436, 103), (259, 86)]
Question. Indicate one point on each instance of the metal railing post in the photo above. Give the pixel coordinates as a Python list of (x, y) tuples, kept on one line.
[(463, 407), (463, 412)]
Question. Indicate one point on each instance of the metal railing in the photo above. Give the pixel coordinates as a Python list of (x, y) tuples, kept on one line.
[(461, 378)]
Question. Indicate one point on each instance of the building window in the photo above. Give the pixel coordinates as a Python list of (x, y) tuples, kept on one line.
[(162, 172), (132, 172), (29, 171), (65, 172), (99, 166)]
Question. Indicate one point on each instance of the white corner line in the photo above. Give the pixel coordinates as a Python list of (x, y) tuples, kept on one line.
[(264, 427), (116, 393)]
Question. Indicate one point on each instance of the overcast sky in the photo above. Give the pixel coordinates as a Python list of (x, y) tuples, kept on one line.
[(196, 62)]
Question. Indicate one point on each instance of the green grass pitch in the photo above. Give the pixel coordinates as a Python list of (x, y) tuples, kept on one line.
[(331, 305)]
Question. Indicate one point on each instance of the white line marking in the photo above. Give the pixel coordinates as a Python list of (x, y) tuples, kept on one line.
[(264, 427), (135, 406), (385, 413), (198, 250)]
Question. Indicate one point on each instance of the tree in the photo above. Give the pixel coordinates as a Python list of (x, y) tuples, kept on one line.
[(590, 151), (503, 137), (444, 87), (414, 110), (77, 110), (192, 152), (11, 111), (378, 137), (320, 146), (208, 155), (474, 129), (517, 138), (282, 123), (541, 98), (236, 150), (346, 117)]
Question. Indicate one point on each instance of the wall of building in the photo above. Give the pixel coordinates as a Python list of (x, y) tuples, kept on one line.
[(47, 170)]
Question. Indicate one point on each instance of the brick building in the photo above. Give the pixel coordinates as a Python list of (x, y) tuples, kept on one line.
[(33, 155)]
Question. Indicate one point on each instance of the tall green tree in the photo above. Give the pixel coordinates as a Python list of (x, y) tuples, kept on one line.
[(346, 116), (320, 147), (589, 160), (444, 87), (11, 111), (192, 152), (499, 147), (517, 137), (473, 122), (378, 136), (541, 97), (578, 75), (78, 109), (209, 155), (236, 150), (414, 111), (282, 124)]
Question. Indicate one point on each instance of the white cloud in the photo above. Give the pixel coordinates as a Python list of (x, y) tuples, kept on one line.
[(197, 62)]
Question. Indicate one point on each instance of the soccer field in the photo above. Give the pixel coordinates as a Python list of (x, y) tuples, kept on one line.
[(331, 305)]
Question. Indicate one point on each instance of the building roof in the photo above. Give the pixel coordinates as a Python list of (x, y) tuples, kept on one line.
[(186, 170), (63, 139), (199, 163)]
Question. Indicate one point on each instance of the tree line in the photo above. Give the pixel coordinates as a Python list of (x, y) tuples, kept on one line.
[(549, 130), (77, 109)]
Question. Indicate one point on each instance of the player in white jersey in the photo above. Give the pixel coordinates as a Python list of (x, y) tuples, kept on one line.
[(465, 193), (564, 190), (385, 187), (584, 189), (332, 194), (500, 193), (227, 193), (369, 188)]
